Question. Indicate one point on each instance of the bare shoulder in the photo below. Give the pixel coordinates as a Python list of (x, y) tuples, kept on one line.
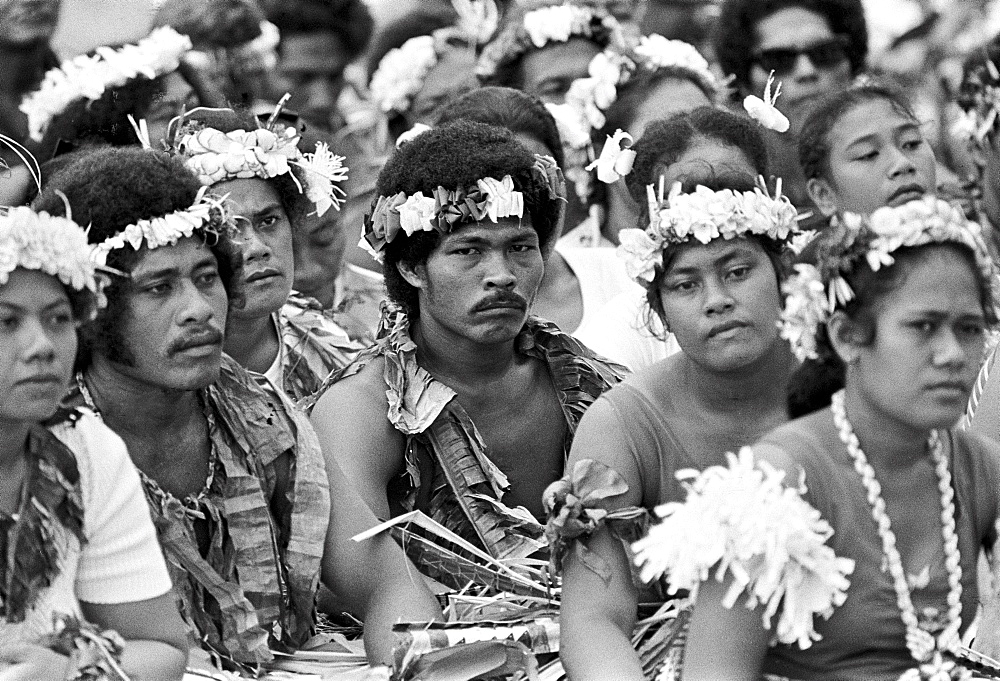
[(359, 391)]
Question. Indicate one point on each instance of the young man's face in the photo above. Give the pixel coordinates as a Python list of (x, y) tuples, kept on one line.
[(319, 252), (174, 317), (547, 73), (480, 281), (268, 260), (311, 68)]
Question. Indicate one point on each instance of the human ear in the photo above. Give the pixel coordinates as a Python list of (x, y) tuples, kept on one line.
[(823, 195), (413, 274), (844, 337)]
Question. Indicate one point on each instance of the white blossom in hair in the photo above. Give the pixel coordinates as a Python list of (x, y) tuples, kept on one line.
[(764, 111), (401, 73), (89, 76), (656, 52)]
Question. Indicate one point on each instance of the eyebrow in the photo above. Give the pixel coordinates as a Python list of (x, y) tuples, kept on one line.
[(208, 261), (718, 262), (51, 306), (269, 208)]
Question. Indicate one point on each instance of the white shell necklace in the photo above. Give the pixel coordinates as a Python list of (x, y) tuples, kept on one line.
[(924, 647)]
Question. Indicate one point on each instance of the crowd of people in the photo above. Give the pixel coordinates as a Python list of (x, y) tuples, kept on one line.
[(583, 339)]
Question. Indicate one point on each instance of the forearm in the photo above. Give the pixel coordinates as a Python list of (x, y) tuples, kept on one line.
[(416, 604), (153, 661), (596, 650)]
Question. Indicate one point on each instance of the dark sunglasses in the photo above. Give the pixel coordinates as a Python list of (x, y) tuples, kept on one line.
[(823, 55)]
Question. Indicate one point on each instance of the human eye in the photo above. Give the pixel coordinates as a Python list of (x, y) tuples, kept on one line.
[(156, 288), (268, 222), (59, 319), (683, 285), (739, 272), (9, 322), (207, 278), (867, 154), (524, 247), (924, 326), (972, 329)]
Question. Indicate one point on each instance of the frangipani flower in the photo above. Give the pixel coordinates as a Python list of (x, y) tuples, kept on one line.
[(616, 158), (48, 243), (764, 110)]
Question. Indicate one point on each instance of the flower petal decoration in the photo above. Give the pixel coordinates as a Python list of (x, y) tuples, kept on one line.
[(323, 169), (502, 199), (764, 111), (616, 158), (52, 244), (744, 521), (411, 134)]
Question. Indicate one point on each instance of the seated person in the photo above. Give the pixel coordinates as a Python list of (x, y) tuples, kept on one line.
[(465, 407), (78, 552), (284, 338), (233, 474)]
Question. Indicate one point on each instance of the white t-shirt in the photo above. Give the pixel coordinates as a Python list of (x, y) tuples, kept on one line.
[(619, 332), (602, 277), (121, 561)]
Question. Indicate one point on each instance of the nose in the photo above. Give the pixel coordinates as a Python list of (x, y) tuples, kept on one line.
[(196, 306), (718, 298), (318, 95), (902, 164), (254, 248), (499, 273), (805, 70), (948, 350), (38, 345)]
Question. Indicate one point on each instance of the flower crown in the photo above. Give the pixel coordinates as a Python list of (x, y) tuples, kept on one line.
[(488, 198), (702, 216), (89, 76), (401, 72), (54, 245), (215, 156), (543, 25), (207, 214), (814, 292)]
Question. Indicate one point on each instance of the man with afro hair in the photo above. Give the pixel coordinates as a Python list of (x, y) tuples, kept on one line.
[(465, 407), (233, 474)]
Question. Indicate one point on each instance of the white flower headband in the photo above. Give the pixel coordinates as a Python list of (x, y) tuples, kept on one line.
[(48, 243), (655, 52), (215, 156), (165, 230), (702, 216), (544, 25), (814, 292), (401, 72), (89, 76)]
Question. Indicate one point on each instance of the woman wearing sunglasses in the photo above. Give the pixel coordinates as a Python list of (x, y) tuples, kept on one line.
[(812, 46)]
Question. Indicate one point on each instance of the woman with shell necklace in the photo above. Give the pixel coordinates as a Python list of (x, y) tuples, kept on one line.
[(843, 545)]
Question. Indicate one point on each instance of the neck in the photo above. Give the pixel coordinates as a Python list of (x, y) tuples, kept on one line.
[(450, 356), (253, 342), (135, 408), (13, 442), (753, 389), (885, 440)]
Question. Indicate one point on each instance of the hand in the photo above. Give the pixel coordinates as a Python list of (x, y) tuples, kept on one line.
[(26, 662)]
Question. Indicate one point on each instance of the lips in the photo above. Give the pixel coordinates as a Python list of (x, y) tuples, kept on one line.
[(726, 326), (908, 192), (261, 275), (42, 379), (211, 338)]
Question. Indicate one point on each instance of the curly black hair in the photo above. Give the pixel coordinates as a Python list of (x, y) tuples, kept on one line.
[(212, 23), (349, 19), (452, 156), (734, 36), (110, 188), (504, 107), (294, 202), (664, 141), (814, 145)]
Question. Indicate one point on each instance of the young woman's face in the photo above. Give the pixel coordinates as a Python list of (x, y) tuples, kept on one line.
[(928, 344), (721, 301), (37, 346), (878, 157)]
